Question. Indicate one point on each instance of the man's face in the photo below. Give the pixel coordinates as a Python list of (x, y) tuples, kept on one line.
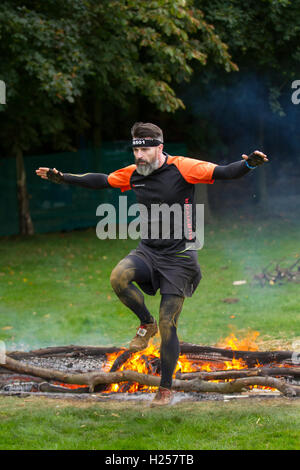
[(147, 159)]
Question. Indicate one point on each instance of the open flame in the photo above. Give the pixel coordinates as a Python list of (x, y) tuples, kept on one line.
[(141, 361), (248, 343), (147, 361)]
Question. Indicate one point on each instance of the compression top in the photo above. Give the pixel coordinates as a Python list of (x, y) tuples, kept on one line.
[(166, 196)]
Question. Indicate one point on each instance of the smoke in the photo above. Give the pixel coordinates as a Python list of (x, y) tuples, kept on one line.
[(239, 113), (246, 111)]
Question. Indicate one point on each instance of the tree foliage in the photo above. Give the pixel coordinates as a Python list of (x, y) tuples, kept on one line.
[(54, 52), (260, 31), (262, 36)]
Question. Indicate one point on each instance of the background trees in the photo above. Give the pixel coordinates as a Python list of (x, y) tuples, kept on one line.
[(62, 59), (84, 68)]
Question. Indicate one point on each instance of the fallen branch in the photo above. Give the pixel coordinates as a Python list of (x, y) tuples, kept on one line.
[(241, 373), (65, 351), (279, 274), (93, 379), (239, 385)]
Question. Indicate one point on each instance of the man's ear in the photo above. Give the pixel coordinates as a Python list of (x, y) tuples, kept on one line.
[(160, 148)]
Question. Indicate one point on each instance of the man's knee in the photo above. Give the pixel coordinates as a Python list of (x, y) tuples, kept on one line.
[(121, 275), (166, 326), (170, 309)]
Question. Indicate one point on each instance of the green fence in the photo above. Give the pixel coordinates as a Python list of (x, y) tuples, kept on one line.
[(55, 207)]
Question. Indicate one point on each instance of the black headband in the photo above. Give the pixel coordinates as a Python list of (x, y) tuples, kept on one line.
[(140, 142)]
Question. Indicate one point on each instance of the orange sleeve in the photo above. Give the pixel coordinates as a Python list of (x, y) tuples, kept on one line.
[(121, 178), (194, 171)]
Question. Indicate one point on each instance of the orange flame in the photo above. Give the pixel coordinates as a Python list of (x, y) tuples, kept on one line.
[(146, 360), (139, 362), (245, 344)]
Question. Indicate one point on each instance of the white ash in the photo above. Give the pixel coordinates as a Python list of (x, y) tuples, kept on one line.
[(18, 386), (66, 364)]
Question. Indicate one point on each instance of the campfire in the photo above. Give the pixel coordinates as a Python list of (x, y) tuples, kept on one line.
[(233, 366), (147, 362)]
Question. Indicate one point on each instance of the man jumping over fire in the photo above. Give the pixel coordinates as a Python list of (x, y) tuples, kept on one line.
[(166, 263)]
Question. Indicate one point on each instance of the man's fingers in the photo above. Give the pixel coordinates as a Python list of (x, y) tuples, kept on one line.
[(41, 171), (261, 154), (257, 155), (256, 158)]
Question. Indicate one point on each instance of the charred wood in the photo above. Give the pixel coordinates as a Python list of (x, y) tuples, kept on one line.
[(120, 360), (207, 353), (204, 353)]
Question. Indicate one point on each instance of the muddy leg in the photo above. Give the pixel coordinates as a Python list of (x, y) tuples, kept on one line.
[(170, 308), (128, 270)]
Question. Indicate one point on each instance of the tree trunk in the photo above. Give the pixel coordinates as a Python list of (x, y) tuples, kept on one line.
[(201, 193), (201, 197), (25, 222)]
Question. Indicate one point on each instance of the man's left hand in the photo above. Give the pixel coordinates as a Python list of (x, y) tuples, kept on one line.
[(256, 158)]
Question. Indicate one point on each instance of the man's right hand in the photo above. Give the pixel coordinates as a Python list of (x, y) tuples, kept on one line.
[(51, 174)]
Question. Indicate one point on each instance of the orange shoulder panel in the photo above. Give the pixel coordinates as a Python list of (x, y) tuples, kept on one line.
[(194, 171), (121, 178)]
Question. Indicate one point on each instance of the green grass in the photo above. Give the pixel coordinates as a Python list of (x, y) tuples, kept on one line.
[(36, 423), (55, 289)]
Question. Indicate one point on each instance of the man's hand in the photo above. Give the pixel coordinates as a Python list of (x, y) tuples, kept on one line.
[(51, 174), (256, 158)]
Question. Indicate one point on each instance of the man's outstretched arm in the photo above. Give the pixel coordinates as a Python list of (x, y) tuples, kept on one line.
[(86, 180), (238, 169)]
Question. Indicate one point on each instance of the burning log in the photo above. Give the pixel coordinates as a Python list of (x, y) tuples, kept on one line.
[(120, 360), (203, 353), (112, 369), (91, 380), (250, 358), (46, 387)]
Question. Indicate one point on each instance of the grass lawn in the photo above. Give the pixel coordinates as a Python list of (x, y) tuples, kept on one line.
[(39, 423), (55, 290)]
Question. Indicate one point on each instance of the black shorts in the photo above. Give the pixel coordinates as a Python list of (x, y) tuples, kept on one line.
[(177, 273)]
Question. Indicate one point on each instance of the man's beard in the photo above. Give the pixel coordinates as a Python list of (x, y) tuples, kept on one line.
[(146, 169)]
